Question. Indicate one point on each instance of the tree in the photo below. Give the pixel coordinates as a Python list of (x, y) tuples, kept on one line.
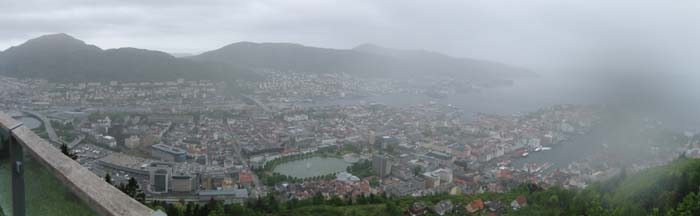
[(66, 152), (195, 210), (272, 203), (133, 189), (374, 182), (170, 209), (392, 209), (217, 210), (372, 198), (349, 200), (108, 178), (689, 206), (336, 201), (293, 203), (318, 198), (362, 200), (189, 209)]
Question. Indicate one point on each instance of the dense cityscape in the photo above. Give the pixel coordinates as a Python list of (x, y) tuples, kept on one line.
[(189, 141), (349, 108)]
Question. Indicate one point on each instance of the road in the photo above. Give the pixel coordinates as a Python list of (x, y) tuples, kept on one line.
[(259, 186), (47, 124), (257, 102), (53, 137), (76, 141)]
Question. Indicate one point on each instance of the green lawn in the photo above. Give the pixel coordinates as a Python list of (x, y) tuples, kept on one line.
[(45, 195)]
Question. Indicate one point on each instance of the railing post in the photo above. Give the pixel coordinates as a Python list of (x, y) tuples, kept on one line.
[(103, 198), (17, 164)]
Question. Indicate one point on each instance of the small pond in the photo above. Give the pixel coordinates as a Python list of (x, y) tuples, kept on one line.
[(310, 167)]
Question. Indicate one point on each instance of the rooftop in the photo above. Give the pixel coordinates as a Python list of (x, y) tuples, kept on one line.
[(169, 149)]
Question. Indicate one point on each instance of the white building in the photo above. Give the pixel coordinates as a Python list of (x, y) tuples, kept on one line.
[(132, 142), (296, 117)]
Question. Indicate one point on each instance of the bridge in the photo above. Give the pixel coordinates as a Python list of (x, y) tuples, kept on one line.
[(257, 102), (53, 137), (75, 141), (47, 125), (103, 198)]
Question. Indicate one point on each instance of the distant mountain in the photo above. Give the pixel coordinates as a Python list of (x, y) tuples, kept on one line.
[(429, 61), (398, 53), (366, 59), (295, 57), (60, 57), (180, 55)]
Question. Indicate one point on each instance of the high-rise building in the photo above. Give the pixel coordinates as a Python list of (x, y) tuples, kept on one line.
[(160, 174), (385, 143), (381, 165)]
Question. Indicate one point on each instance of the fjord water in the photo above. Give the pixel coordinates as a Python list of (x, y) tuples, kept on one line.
[(528, 95)]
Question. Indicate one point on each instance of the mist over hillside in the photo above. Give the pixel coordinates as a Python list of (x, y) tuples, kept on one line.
[(61, 57)]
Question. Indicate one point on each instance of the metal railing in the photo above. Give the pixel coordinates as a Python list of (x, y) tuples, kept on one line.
[(102, 197)]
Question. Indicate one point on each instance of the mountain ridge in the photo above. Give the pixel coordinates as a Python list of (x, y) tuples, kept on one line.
[(61, 57)]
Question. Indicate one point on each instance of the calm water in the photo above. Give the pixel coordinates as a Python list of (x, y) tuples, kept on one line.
[(524, 96), (315, 166), (532, 94), (675, 103), (31, 123), (565, 153)]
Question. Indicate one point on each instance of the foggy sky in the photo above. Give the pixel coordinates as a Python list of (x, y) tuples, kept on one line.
[(535, 32)]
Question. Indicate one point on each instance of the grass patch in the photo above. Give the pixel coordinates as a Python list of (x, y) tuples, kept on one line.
[(41, 132)]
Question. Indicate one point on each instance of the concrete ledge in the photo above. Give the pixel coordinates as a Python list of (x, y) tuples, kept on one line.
[(103, 198)]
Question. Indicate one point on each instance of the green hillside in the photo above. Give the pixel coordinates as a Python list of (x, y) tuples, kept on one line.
[(667, 190)]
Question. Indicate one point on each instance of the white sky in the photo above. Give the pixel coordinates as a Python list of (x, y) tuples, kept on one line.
[(521, 32)]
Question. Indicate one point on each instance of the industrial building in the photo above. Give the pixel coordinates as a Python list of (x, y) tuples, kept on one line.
[(168, 153), (164, 177), (160, 174), (182, 183)]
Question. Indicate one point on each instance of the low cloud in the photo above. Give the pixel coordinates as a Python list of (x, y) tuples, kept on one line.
[(537, 33)]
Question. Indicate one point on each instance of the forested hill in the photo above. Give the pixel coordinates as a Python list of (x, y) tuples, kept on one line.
[(61, 57), (365, 60), (666, 190)]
